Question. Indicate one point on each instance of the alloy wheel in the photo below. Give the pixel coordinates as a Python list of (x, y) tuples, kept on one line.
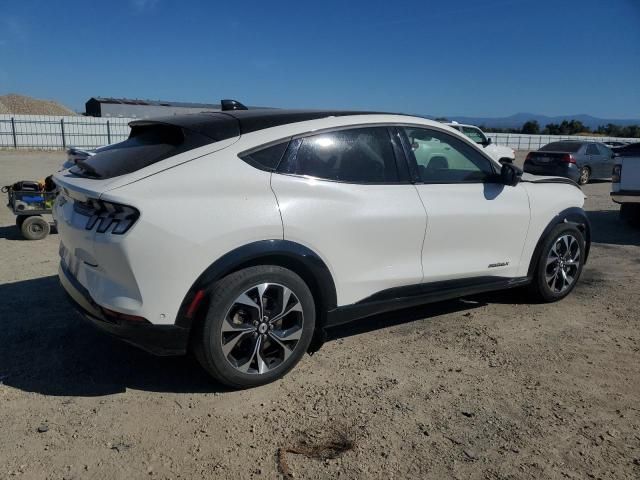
[(563, 263), (262, 328)]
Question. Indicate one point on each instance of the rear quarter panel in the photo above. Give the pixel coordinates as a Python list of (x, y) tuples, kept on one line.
[(546, 201), (190, 216)]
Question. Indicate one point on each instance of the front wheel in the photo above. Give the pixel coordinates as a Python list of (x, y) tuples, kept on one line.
[(259, 324), (560, 264)]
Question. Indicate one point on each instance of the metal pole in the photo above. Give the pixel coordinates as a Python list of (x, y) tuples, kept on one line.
[(64, 141), (108, 132), (13, 131)]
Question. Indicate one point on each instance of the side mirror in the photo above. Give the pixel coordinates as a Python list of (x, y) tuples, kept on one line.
[(504, 160), (487, 142), (510, 174)]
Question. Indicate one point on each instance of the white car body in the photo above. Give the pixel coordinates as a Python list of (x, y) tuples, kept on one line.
[(494, 150), (625, 185), (206, 207)]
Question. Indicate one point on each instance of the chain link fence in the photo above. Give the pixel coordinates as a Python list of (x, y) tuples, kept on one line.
[(520, 141), (36, 132)]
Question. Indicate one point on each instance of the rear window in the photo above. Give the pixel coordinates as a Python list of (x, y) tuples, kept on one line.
[(146, 145), (569, 147)]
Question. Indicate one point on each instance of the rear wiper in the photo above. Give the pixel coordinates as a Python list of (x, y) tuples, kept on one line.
[(87, 169)]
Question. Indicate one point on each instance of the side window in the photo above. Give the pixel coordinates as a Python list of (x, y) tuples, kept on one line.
[(266, 158), (474, 134), (356, 155), (607, 152), (442, 158), (592, 149)]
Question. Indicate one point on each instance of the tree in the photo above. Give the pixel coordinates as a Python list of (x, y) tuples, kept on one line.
[(531, 127)]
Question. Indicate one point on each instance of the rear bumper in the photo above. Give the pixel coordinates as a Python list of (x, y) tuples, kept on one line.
[(156, 339), (626, 196), (568, 170)]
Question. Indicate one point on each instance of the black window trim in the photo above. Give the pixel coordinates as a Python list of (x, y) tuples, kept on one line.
[(399, 157), (413, 164), (405, 160), (402, 180)]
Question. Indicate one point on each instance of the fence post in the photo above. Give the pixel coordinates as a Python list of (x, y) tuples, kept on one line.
[(108, 132), (64, 141), (13, 131)]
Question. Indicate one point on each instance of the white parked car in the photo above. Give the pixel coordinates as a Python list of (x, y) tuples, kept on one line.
[(497, 152), (625, 182), (244, 234)]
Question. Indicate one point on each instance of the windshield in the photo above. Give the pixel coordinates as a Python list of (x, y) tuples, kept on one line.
[(474, 134)]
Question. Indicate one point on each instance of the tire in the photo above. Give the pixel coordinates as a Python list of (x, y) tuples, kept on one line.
[(585, 176), (20, 220), (35, 228), (630, 213), (543, 286), (230, 355)]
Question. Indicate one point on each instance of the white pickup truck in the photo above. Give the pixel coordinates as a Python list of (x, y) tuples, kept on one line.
[(497, 152), (625, 186)]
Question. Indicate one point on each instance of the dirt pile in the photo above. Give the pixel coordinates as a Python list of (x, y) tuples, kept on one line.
[(23, 105)]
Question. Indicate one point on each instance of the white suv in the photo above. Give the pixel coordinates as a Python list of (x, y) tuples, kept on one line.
[(244, 234), (497, 152)]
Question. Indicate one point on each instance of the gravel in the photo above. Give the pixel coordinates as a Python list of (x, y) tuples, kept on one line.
[(23, 105), (553, 388)]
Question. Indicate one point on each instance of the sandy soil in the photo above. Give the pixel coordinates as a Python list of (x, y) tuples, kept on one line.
[(485, 387)]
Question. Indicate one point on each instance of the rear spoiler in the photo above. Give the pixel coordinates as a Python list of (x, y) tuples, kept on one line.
[(214, 125)]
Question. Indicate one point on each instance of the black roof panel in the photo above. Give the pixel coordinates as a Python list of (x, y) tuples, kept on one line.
[(228, 124)]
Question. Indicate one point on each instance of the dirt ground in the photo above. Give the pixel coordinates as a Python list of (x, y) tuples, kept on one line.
[(487, 387)]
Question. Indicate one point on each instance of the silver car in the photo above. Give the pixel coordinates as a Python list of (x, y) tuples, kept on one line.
[(578, 160)]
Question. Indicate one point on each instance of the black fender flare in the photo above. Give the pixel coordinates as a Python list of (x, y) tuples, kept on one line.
[(298, 258), (574, 215)]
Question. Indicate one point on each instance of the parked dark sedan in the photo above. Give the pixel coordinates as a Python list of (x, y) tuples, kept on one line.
[(578, 160)]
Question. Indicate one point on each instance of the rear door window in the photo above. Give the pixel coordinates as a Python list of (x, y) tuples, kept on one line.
[(356, 155)]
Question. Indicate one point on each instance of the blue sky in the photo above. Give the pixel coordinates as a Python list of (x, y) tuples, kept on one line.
[(461, 57)]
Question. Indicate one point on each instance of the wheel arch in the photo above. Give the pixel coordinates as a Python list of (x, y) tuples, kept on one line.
[(284, 253), (575, 216)]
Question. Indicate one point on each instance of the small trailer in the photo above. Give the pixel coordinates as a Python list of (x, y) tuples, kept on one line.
[(32, 205)]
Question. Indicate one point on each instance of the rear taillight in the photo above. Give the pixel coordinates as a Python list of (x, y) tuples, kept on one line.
[(616, 175), (528, 157), (568, 158), (107, 217)]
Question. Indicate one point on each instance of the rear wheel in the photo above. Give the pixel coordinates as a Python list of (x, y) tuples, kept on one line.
[(259, 324), (560, 264), (35, 228), (585, 175)]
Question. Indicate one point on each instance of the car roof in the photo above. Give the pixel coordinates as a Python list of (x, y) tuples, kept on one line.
[(456, 124), (232, 123)]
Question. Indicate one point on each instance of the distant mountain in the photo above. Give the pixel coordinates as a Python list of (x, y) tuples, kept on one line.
[(517, 120)]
